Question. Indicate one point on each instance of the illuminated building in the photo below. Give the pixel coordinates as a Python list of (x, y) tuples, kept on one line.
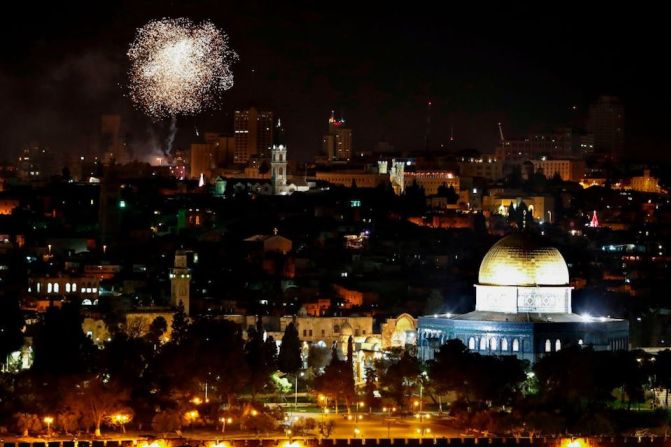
[(646, 183), (557, 145), (430, 181), (485, 167), (253, 133), (568, 170), (352, 177), (180, 281), (522, 308), (606, 123), (337, 143), (541, 207)]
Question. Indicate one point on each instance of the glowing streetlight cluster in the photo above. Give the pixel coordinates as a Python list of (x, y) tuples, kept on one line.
[(179, 67)]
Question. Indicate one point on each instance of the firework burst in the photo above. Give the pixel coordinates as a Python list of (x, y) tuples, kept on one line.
[(178, 67)]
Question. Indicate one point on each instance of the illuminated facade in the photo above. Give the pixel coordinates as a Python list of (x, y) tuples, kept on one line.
[(523, 308)]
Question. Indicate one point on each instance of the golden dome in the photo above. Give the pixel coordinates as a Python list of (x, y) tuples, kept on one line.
[(520, 259)]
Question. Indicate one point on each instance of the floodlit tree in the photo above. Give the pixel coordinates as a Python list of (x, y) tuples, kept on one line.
[(97, 400), (27, 423), (157, 328)]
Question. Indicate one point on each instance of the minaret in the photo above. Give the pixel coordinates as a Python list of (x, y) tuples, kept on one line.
[(180, 281), (278, 163)]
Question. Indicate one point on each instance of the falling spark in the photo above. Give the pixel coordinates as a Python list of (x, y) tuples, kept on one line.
[(179, 67)]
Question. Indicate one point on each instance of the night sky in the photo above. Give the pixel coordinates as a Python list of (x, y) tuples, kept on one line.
[(525, 65)]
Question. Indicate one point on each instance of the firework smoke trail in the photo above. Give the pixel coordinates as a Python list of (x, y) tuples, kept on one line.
[(171, 135)]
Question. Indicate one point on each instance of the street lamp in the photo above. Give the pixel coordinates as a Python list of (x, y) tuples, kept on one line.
[(357, 432), (296, 393), (48, 420), (224, 421)]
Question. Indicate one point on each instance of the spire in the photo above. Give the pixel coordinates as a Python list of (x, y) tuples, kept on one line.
[(594, 223), (279, 133)]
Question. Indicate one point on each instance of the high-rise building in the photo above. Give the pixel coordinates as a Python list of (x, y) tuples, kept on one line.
[(606, 123), (253, 134), (337, 143)]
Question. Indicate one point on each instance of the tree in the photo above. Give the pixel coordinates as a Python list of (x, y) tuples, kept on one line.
[(289, 360), (157, 328), (318, 357), (96, 400), (401, 378), (11, 324), (370, 388), (60, 345), (337, 381), (663, 373), (261, 358), (167, 421), (180, 325), (27, 422)]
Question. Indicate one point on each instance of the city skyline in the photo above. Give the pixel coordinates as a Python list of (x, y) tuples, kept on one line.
[(304, 61)]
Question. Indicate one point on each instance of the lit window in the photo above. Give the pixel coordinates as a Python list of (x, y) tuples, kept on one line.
[(483, 344), (504, 344), (516, 345), (74, 287), (67, 287), (557, 345), (471, 343), (50, 288), (548, 345), (57, 287), (493, 345)]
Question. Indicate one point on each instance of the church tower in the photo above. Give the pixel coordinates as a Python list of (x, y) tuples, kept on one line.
[(278, 163), (180, 281)]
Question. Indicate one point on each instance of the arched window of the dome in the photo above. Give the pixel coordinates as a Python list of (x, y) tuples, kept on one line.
[(548, 345), (557, 345), (493, 345), (471, 344), (516, 345), (483, 344), (50, 288), (504, 344)]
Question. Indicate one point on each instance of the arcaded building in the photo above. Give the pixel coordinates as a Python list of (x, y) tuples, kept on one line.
[(523, 308)]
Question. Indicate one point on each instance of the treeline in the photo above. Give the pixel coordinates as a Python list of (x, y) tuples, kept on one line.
[(209, 374)]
